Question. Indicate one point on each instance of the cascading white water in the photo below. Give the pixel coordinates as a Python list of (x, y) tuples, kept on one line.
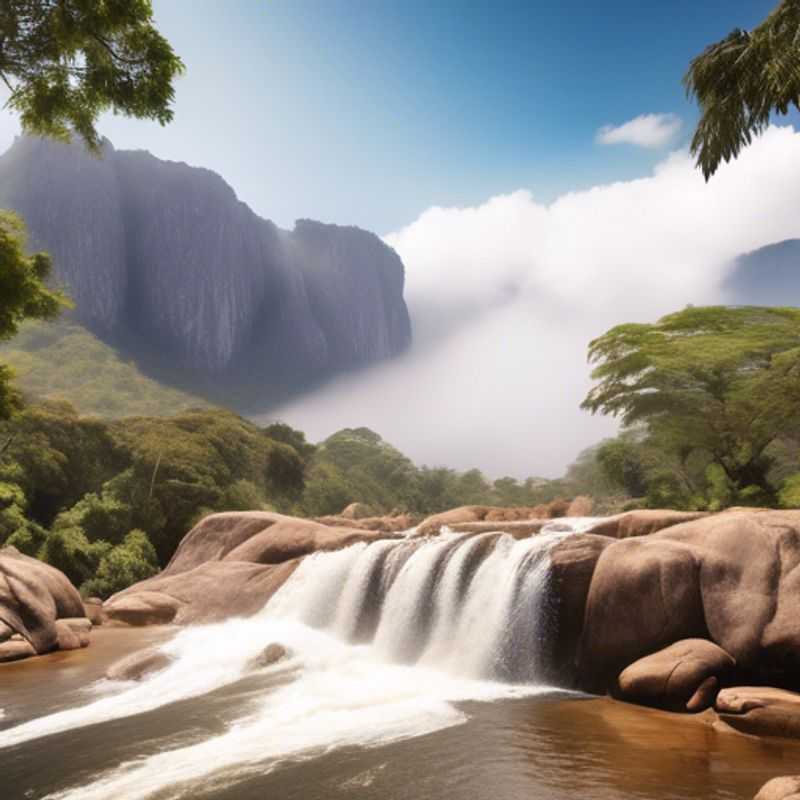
[(383, 638)]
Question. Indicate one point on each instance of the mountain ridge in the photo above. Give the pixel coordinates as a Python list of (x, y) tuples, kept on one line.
[(163, 259)]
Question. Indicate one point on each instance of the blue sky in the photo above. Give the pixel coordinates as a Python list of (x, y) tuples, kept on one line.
[(370, 111)]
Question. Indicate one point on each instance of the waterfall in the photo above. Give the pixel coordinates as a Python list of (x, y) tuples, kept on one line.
[(382, 638)]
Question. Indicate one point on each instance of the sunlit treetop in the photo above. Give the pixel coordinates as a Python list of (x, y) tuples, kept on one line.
[(67, 61)]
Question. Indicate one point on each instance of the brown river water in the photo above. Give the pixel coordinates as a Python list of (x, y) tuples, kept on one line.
[(548, 746)]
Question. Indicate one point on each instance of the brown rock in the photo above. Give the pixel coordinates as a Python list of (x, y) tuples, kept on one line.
[(642, 522), (15, 651), (395, 523), (683, 676), (77, 624), (208, 593), (93, 608), (138, 605), (33, 595), (358, 511), (270, 655), (68, 639), (432, 525), (259, 537), (581, 506), (517, 529), (6, 632), (786, 788), (139, 665), (731, 578), (760, 710), (572, 565)]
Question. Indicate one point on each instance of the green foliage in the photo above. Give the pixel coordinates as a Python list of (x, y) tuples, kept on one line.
[(713, 383), (68, 61), (23, 295), (69, 550), (134, 559), (789, 495), (327, 491), (99, 517), (62, 361), (72, 487), (356, 464), (740, 81), (56, 457)]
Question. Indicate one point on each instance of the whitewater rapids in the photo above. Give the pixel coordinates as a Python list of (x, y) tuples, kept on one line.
[(383, 641)]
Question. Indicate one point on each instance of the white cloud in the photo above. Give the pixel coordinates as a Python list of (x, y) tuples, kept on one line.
[(505, 297), (647, 130)]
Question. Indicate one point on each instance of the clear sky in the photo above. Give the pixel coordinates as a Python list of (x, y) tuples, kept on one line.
[(370, 111)]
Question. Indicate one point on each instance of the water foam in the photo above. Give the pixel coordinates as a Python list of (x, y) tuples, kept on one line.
[(464, 615)]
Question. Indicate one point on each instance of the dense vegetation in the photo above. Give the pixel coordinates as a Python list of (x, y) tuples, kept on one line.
[(107, 502), (62, 360), (709, 398), (24, 294)]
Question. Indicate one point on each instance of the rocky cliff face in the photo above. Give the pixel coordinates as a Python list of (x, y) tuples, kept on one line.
[(163, 257)]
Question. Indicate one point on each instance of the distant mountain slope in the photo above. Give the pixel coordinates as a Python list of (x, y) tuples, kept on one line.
[(162, 259), (62, 360), (769, 276)]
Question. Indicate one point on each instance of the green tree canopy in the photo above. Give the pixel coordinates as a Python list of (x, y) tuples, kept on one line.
[(67, 61), (740, 81), (722, 381), (23, 294)]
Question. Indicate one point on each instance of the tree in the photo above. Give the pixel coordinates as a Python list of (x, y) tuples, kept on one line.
[(722, 382), (23, 294), (740, 81), (67, 61)]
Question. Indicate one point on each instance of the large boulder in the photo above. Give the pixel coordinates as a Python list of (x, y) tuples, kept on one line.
[(259, 537), (572, 566), (228, 565), (33, 597), (682, 677), (760, 710), (642, 522), (729, 578), (785, 788)]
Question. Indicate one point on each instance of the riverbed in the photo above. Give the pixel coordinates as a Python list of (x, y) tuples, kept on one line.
[(546, 744)]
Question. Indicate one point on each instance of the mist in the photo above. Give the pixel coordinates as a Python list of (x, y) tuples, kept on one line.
[(505, 297)]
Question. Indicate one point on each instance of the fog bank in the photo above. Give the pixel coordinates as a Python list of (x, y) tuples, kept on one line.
[(505, 297)]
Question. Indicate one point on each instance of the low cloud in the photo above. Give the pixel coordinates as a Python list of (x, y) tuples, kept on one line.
[(647, 130), (505, 297)]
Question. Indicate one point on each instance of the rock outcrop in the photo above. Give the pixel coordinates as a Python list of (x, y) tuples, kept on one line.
[(40, 610), (760, 710), (164, 259), (729, 578), (786, 788), (491, 514), (228, 565), (684, 676), (642, 522)]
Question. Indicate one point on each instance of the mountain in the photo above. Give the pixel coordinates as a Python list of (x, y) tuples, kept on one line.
[(769, 276), (164, 262)]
